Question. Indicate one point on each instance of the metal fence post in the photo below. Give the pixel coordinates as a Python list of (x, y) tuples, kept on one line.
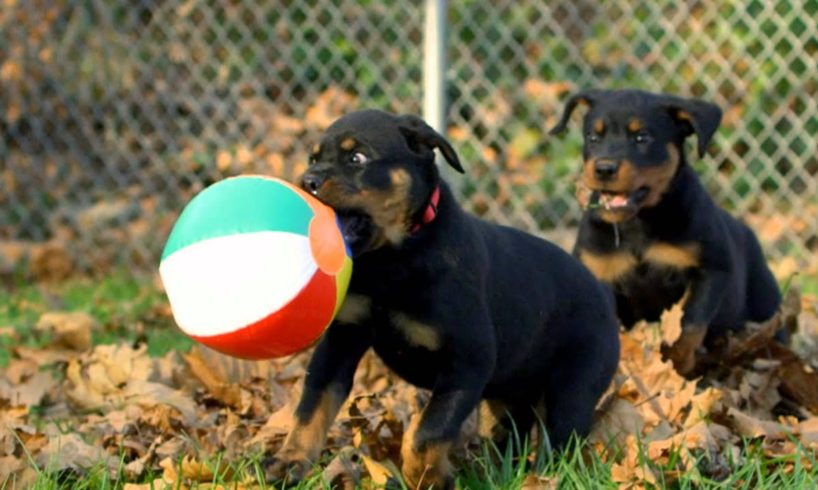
[(434, 69)]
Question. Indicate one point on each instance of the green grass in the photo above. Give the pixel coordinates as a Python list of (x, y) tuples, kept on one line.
[(124, 304), (491, 468), (808, 284)]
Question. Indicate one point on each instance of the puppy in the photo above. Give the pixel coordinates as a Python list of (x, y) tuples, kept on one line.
[(469, 310), (652, 232)]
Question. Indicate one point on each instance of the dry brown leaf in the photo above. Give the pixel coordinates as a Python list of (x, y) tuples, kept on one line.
[(197, 471), (10, 465), (147, 394), (71, 451), (71, 330), (20, 369), (808, 430), (45, 357), (29, 392), (170, 475), (342, 472), (671, 324), (213, 379), (535, 482), (157, 484), (630, 472), (702, 405), (620, 420), (378, 472), (50, 261), (696, 437), (750, 426)]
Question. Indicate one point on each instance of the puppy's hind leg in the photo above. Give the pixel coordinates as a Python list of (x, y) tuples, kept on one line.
[(763, 296), (575, 384), (505, 423)]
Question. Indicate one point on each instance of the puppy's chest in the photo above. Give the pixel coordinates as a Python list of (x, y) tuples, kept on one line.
[(649, 262)]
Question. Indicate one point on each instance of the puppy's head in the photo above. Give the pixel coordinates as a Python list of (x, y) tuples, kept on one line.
[(377, 170), (634, 146)]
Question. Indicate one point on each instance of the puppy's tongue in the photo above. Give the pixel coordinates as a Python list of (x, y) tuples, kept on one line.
[(613, 201)]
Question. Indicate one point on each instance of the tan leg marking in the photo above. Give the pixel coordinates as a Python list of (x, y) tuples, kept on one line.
[(356, 308), (490, 414), (305, 441), (417, 333), (425, 468)]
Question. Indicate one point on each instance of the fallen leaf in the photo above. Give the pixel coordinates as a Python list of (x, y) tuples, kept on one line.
[(808, 430), (213, 379), (71, 451), (29, 392), (71, 330), (378, 472), (701, 405), (535, 482), (619, 421), (342, 471), (671, 323), (749, 426)]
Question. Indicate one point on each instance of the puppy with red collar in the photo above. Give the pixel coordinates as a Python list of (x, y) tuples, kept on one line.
[(467, 309)]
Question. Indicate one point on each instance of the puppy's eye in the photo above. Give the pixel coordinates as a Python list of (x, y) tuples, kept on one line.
[(358, 158), (641, 138), (592, 137)]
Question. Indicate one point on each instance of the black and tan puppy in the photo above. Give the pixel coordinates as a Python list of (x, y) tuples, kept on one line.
[(652, 232), (467, 309)]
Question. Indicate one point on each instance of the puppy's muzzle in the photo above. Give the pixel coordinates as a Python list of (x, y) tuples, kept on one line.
[(605, 169), (312, 182)]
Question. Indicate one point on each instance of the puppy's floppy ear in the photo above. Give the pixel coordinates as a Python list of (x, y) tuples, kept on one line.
[(695, 116), (420, 135), (586, 97)]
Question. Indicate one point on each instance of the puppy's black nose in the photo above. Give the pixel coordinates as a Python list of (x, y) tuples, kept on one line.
[(605, 169), (312, 182)]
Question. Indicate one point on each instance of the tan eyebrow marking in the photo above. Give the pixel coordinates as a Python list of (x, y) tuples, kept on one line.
[(348, 144)]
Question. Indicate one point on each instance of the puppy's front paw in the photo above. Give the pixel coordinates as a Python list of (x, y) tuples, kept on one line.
[(683, 352), (424, 476), (427, 466), (286, 465)]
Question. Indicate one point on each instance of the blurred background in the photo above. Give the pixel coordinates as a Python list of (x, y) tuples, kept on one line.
[(114, 113)]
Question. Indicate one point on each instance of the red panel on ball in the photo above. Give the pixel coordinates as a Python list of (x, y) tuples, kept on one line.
[(291, 329)]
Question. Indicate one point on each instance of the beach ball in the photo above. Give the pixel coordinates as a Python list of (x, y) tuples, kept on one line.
[(255, 268)]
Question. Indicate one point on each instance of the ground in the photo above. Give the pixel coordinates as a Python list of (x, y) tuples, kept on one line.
[(99, 389)]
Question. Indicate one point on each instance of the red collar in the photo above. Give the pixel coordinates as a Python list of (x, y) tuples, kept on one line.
[(430, 213)]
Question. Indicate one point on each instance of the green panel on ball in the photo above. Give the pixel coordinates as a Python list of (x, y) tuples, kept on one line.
[(262, 204)]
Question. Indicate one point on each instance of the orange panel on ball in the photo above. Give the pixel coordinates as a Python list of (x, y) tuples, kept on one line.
[(293, 328), (326, 241)]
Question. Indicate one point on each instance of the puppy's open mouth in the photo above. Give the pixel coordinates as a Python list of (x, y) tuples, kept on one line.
[(357, 228), (613, 201)]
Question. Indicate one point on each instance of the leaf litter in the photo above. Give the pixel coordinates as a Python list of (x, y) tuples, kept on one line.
[(74, 406)]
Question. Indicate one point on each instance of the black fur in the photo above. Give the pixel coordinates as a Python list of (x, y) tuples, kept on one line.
[(515, 318), (725, 275)]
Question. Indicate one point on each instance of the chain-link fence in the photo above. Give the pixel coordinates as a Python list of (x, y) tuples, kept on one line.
[(114, 113)]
